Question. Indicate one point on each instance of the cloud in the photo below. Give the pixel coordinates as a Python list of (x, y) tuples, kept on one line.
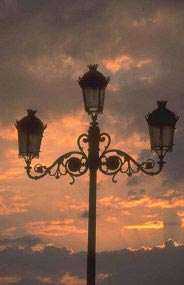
[(155, 225), (60, 266), (134, 181), (13, 205), (84, 214), (170, 199), (47, 57), (54, 228), (136, 195), (26, 241), (45, 46)]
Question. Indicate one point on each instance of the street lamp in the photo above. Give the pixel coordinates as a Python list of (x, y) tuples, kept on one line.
[(94, 153)]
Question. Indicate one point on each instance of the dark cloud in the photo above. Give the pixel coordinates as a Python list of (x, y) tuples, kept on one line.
[(84, 215), (31, 282), (134, 181), (136, 195), (148, 266), (26, 241), (174, 161), (45, 45), (46, 29)]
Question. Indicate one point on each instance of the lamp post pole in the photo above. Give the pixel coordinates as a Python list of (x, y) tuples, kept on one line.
[(93, 161), (91, 251), (161, 123)]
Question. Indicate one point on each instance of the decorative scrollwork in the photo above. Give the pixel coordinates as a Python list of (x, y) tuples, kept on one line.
[(72, 163), (115, 161), (108, 161), (106, 139)]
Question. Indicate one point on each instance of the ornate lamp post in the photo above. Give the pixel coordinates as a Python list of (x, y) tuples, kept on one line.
[(94, 153)]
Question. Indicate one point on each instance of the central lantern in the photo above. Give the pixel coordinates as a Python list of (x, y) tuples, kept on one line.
[(93, 84)]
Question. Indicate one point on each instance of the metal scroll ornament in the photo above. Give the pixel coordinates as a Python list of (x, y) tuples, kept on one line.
[(72, 163), (114, 161), (111, 162)]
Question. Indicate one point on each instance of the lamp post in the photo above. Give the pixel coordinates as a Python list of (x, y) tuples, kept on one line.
[(94, 153)]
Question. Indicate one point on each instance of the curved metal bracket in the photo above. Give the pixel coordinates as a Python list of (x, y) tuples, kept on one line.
[(115, 161), (108, 161), (72, 163)]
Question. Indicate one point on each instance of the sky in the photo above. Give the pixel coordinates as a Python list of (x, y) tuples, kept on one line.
[(45, 45)]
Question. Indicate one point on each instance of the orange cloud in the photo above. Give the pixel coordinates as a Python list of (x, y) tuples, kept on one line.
[(132, 144), (169, 200), (109, 201), (54, 228), (112, 219), (72, 280), (48, 67), (182, 223), (143, 62), (136, 141), (9, 232), (71, 204), (12, 173), (8, 133), (102, 276), (63, 133), (180, 213), (118, 203), (154, 225), (9, 280), (13, 205), (124, 62), (148, 79)]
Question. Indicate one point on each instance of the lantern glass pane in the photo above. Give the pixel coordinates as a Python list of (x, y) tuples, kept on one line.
[(29, 143), (167, 136), (155, 137), (102, 98), (91, 99), (161, 137), (34, 143), (22, 141)]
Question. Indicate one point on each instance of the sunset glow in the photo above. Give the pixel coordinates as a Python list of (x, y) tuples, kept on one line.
[(45, 47)]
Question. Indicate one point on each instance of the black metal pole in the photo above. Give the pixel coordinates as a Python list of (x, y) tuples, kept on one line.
[(93, 160), (91, 255)]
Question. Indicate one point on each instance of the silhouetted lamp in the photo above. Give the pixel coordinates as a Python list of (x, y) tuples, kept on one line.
[(30, 131), (94, 153), (93, 84), (161, 124)]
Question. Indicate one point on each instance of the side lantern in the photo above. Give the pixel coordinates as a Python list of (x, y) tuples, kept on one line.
[(161, 123), (30, 132)]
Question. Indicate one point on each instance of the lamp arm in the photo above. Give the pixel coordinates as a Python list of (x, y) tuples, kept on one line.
[(114, 161), (73, 163)]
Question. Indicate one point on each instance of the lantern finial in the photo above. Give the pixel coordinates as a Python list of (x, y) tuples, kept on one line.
[(93, 67), (31, 112), (162, 103)]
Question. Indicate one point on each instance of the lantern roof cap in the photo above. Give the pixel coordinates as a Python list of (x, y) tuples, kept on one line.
[(30, 123), (93, 78), (162, 116)]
